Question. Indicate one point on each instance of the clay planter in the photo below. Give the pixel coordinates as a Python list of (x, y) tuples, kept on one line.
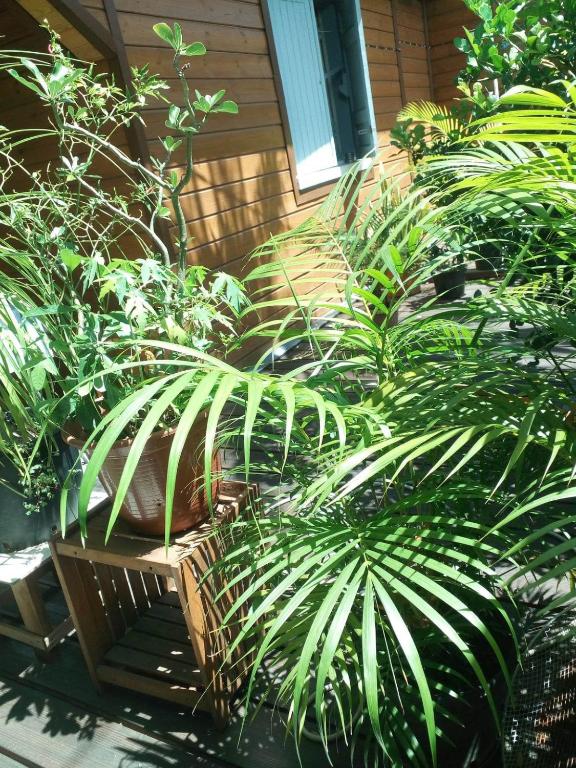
[(145, 502)]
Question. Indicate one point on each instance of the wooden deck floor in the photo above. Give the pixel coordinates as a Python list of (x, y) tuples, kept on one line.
[(52, 717)]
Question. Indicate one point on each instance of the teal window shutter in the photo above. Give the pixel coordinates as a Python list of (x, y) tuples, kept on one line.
[(300, 61), (354, 45)]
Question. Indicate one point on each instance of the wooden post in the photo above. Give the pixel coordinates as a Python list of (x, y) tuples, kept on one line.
[(398, 52), (79, 586), (32, 610), (19, 585), (428, 51)]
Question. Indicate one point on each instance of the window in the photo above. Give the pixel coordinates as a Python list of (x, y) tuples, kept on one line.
[(321, 57)]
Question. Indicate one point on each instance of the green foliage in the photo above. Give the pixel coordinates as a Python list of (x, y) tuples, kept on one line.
[(517, 43), (374, 581), (24, 390), (527, 43), (421, 465), (410, 137), (86, 264), (425, 128)]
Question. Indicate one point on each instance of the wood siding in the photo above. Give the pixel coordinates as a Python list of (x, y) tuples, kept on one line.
[(397, 59), (242, 190), (413, 50), (398, 64), (96, 8), (19, 107), (446, 19)]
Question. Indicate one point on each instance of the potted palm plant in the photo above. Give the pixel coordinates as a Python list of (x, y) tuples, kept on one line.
[(374, 587), (94, 266), (422, 457)]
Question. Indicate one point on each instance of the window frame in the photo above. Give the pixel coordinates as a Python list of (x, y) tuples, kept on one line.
[(322, 189)]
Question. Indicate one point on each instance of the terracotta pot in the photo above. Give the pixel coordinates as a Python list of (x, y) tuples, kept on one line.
[(145, 502)]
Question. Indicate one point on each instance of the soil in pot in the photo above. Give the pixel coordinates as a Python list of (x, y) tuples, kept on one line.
[(145, 502), (19, 529), (450, 284)]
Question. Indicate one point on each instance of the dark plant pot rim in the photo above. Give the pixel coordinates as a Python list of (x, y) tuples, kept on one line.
[(456, 270)]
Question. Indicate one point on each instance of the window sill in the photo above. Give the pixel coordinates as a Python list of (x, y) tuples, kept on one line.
[(310, 181), (322, 188)]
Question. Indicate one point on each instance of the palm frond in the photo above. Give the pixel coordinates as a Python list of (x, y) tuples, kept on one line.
[(439, 117)]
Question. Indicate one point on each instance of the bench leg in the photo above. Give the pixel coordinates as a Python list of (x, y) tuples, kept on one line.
[(32, 611)]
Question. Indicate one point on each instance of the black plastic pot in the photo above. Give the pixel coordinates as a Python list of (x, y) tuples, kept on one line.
[(19, 530), (450, 284)]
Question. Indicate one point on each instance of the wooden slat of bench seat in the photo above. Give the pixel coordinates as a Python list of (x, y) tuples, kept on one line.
[(52, 598), (167, 647), (167, 613), (22, 635), (17, 565), (141, 556), (170, 598), (153, 665), (164, 629), (179, 694)]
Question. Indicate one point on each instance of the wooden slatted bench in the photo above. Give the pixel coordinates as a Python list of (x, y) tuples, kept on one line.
[(20, 574), (146, 617)]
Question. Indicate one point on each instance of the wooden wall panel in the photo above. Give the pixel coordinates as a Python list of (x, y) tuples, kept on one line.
[(242, 164), (97, 10), (19, 107), (137, 30), (413, 49), (242, 189), (382, 66), (446, 19), (84, 37), (399, 68)]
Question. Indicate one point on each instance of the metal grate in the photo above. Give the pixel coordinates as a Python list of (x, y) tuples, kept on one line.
[(539, 728)]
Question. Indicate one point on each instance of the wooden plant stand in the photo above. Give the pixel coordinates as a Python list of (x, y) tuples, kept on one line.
[(19, 574), (145, 617)]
